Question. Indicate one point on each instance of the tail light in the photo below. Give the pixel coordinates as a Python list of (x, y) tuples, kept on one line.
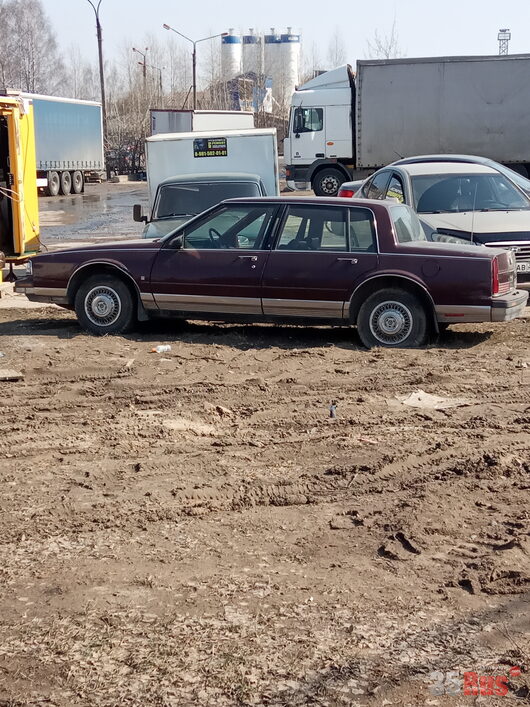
[(347, 193), (498, 287)]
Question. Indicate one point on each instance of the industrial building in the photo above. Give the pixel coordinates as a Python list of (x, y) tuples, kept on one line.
[(276, 57)]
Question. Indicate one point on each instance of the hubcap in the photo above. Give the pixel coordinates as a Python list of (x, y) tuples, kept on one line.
[(102, 306), (330, 185), (391, 322)]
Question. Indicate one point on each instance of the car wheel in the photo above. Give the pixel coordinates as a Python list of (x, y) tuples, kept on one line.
[(54, 184), (104, 305), (392, 318), (327, 182), (77, 182), (66, 183)]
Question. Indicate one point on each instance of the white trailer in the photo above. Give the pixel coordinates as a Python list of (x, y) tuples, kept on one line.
[(187, 121), (343, 126), (251, 151)]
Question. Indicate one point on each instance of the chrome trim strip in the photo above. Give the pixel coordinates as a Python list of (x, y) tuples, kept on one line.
[(323, 309), (209, 303), (435, 255), (462, 313), (42, 291), (148, 300)]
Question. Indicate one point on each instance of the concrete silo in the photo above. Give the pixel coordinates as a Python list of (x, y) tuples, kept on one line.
[(290, 61), (272, 61), (252, 53), (230, 55)]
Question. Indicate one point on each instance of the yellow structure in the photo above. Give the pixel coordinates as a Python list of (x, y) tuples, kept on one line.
[(19, 210)]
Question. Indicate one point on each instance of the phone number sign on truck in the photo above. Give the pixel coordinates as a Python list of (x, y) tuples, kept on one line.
[(210, 147)]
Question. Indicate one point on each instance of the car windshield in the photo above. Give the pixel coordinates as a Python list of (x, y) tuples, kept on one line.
[(188, 199), (448, 193), (407, 225)]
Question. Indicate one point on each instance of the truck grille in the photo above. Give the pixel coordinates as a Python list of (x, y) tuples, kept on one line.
[(522, 252)]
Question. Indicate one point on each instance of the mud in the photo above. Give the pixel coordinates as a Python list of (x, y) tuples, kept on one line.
[(192, 528)]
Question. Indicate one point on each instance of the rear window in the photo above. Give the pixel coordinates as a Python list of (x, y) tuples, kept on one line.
[(407, 226)]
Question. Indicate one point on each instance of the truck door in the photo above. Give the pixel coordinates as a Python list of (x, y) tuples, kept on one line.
[(6, 215), (308, 137)]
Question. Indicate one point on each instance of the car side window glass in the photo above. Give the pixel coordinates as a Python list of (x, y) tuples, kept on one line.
[(407, 225), (395, 189), (230, 227), (377, 186), (362, 231), (314, 229)]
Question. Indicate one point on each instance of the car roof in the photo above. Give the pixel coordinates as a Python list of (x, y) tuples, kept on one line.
[(212, 177), (314, 200), (432, 168), (473, 159)]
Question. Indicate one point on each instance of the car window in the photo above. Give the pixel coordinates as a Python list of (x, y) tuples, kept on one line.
[(308, 120), (189, 199), (395, 189), (230, 227), (376, 188), (445, 193), (314, 228), (362, 230), (407, 225)]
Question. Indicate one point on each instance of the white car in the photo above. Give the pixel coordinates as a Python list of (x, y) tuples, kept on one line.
[(460, 203)]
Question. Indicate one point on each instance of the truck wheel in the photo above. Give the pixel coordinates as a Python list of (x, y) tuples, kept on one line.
[(78, 182), (104, 305), (392, 318), (66, 183), (54, 184), (327, 182)]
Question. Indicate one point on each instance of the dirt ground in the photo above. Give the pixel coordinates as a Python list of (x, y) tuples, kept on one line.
[(192, 528)]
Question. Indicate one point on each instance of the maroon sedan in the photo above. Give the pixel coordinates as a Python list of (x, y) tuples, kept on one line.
[(303, 260)]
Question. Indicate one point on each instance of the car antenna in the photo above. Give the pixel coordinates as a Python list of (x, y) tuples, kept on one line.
[(473, 212), (400, 156)]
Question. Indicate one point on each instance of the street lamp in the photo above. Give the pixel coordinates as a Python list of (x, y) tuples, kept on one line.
[(156, 68), (101, 75), (144, 64), (194, 55)]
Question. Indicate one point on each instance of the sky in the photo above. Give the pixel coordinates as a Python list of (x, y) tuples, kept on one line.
[(424, 27)]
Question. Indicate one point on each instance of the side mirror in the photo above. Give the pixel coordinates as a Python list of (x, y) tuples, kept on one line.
[(177, 243), (138, 215)]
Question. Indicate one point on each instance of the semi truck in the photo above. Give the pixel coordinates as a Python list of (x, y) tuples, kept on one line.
[(344, 125), (187, 121), (69, 143), (19, 210)]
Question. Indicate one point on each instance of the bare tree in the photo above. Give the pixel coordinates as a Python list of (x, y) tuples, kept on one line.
[(310, 62), (386, 46), (336, 55), (30, 60)]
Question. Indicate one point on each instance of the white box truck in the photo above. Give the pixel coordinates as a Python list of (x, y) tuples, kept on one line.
[(188, 173), (343, 126), (187, 121)]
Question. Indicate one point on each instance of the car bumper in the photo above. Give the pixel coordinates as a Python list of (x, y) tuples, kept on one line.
[(47, 295), (510, 307)]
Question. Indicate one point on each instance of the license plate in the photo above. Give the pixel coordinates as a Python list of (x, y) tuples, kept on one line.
[(523, 267)]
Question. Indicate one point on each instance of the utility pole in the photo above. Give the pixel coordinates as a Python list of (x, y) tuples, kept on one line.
[(143, 65), (504, 37), (101, 73)]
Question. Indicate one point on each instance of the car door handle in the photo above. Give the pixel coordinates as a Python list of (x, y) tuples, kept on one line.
[(253, 258), (352, 261)]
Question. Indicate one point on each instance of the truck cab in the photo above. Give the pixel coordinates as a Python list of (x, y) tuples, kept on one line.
[(319, 149)]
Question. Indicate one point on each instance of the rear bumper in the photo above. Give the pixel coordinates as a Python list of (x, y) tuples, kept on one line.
[(510, 307), (503, 309)]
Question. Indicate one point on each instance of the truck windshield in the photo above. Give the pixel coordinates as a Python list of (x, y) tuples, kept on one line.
[(407, 225), (447, 193), (188, 199)]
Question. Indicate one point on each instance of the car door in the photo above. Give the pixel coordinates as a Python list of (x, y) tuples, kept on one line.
[(308, 139), (219, 267), (319, 255)]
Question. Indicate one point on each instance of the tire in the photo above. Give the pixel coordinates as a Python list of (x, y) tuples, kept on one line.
[(54, 184), (392, 318), (66, 183), (78, 182), (105, 305), (328, 182)]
